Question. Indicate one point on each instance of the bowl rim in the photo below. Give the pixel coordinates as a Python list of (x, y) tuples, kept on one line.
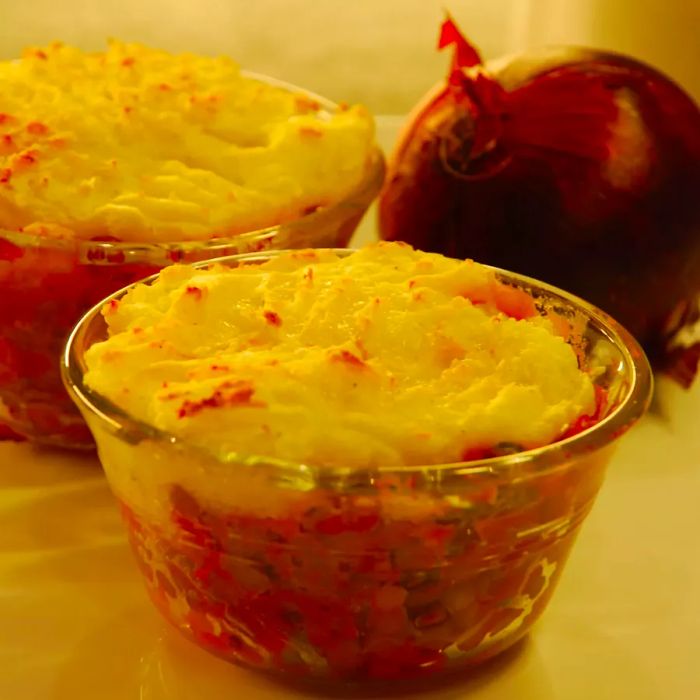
[(546, 458), (371, 180)]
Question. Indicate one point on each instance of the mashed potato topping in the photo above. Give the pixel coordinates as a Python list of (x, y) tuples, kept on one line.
[(141, 145), (387, 356)]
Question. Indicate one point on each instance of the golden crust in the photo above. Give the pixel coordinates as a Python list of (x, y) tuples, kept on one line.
[(386, 357), (143, 145)]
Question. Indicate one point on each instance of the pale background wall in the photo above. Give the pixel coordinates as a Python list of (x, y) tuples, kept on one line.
[(380, 52)]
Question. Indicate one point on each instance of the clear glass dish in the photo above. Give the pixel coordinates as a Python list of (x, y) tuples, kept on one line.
[(353, 576), (46, 285)]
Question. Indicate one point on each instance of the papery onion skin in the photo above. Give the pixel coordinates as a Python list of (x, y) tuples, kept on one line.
[(574, 166)]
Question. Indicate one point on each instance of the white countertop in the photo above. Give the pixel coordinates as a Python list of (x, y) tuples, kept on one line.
[(75, 623)]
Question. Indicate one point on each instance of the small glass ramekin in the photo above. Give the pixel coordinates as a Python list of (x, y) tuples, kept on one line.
[(328, 574), (46, 285)]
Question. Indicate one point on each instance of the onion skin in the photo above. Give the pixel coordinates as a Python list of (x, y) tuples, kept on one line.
[(574, 166)]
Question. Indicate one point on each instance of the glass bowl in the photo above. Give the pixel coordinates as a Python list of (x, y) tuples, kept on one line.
[(46, 285), (327, 574)]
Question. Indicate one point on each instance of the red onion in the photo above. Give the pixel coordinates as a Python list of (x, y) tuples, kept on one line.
[(574, 166)]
